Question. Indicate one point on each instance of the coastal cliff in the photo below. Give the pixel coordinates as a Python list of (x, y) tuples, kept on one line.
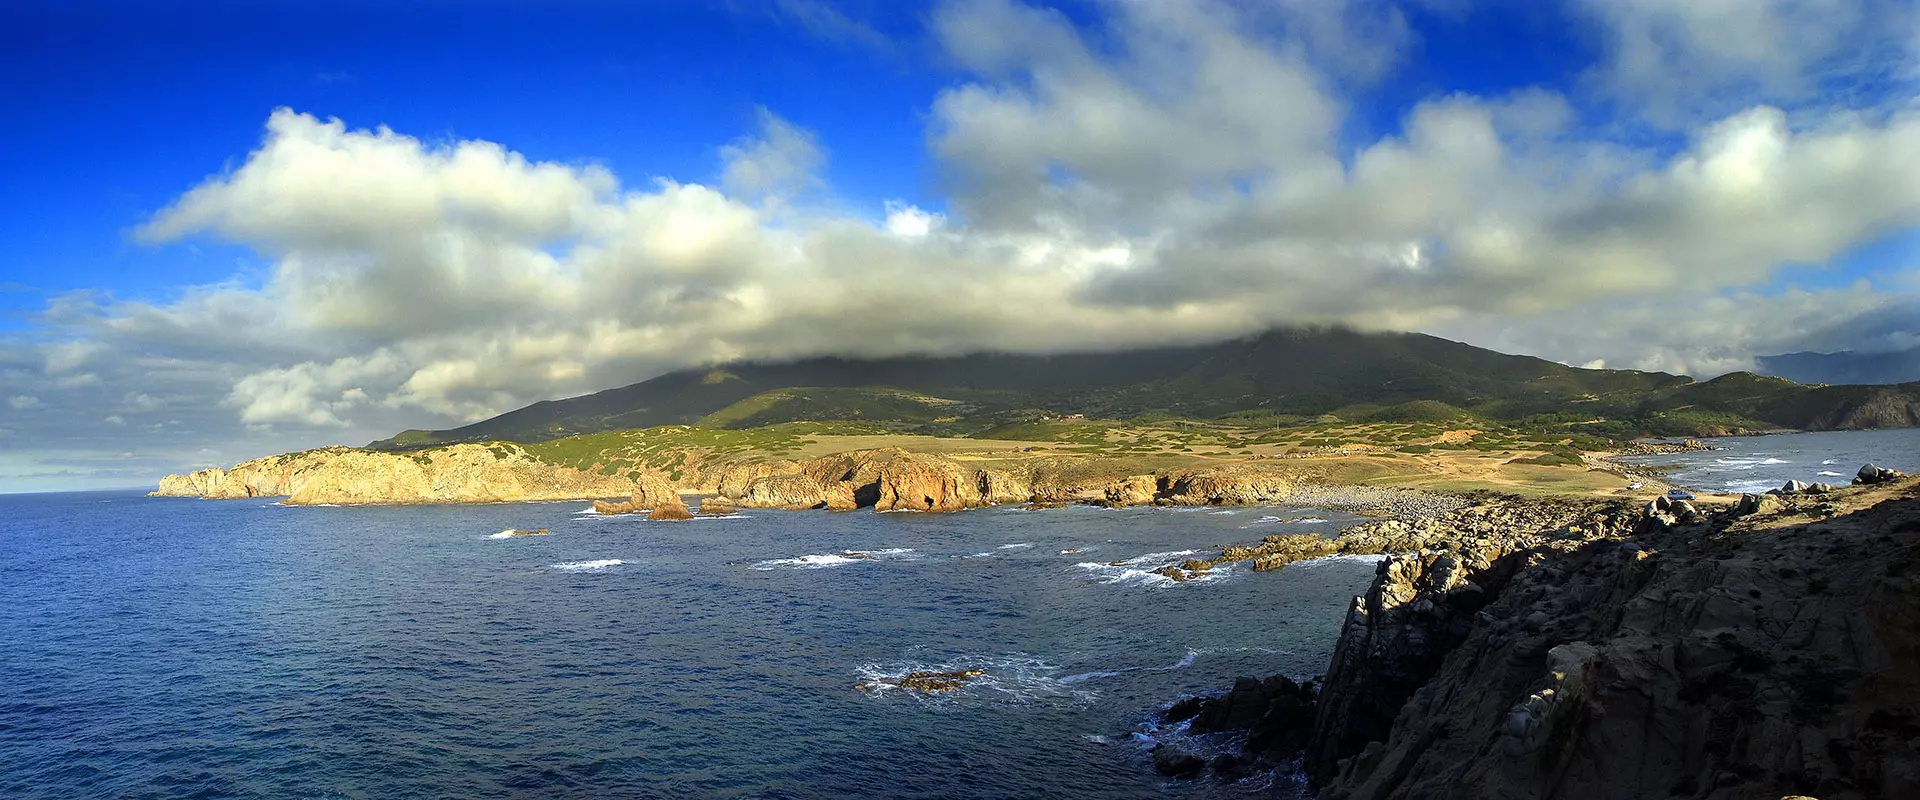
[(1603, 651), (883, 479), (892, 479), (467, 473)]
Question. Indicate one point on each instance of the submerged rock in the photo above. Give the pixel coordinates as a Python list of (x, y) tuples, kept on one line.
[(519, 532), (1174, 762)]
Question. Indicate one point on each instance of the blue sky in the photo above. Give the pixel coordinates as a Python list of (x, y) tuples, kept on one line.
[(532, 202)]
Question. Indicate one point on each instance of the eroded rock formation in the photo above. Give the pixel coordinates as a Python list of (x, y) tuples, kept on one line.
[(1612, 652), (466, 473)]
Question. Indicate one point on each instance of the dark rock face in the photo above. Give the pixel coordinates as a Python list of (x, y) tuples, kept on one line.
[(1276, 713), (1421, 606), (1739, 657)]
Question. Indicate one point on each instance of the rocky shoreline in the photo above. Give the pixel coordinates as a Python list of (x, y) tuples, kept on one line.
[(1568, 649), (884, 479)]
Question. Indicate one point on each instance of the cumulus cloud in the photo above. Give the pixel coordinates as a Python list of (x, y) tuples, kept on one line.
[(1175, 173), (1678, 61)]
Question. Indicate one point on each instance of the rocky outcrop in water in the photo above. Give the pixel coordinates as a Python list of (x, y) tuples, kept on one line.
[(650, 491), (1749, 653), (670, 510), (940, 682)]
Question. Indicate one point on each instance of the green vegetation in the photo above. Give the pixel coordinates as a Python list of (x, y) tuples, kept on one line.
[(1279, 392)]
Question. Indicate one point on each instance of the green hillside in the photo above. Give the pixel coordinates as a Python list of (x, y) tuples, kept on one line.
[(1278, 378)]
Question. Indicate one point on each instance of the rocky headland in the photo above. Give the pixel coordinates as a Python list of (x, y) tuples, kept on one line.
[(881, 479), (1574, 649), (466, 473)]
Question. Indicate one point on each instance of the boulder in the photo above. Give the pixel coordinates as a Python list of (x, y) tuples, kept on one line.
[(1758, 504), (715, 507), (1174, 762), (1871, 474), (1793, 487)]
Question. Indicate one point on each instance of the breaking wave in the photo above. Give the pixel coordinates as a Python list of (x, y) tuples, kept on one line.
[(1184, 662), (842, 558), (586, 566), (1139, 570)]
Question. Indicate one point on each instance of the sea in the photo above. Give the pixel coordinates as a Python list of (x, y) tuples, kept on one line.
[(180, 648), (1741, 464), (183, 648)]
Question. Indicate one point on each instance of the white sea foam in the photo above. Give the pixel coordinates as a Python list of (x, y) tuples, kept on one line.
[(1015, 546), (1087, 676), (586, 566), (507, 534), (1184, 662), (1827, 463), (1347, 559), (1139, 571), (1827, 474), (1159, 559), (842, 558), (1273, 520)]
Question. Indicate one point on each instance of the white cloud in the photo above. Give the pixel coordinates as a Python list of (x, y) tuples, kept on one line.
[(1679, 61), (22, 402), (1175, 173)]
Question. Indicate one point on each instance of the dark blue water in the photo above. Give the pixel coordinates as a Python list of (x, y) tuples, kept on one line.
[(1758, 463), (188, 648)]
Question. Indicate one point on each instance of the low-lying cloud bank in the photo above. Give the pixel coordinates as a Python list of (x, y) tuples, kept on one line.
[(1177, 174)]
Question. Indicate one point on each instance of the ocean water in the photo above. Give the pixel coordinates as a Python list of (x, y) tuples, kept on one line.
[(1758, 463), (167, 648)]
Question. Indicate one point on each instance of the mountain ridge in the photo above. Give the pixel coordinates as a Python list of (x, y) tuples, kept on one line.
[(1297, 372)]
